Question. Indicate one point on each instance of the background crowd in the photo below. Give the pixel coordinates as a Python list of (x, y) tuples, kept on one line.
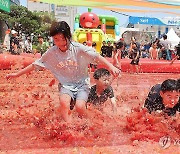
[(15, 43)]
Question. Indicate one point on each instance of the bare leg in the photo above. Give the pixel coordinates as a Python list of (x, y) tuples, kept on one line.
[(118, 78), (137, 69), (65, 100), (81, 108), (131, 69), (89, 70)]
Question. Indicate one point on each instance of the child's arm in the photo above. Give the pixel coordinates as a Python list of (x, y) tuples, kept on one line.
[(173, 59), (35, 51), (118, 53), (21, 72), (157, 52), (150, 51), (101, 60), (130, 48), (113, 103)]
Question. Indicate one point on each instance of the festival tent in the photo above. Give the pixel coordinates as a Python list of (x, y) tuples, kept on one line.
[(173, 37)]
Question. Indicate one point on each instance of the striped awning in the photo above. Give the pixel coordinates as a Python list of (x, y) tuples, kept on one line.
[(137, 6)]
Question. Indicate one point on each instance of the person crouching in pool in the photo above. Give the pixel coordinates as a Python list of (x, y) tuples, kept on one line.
[(102, 90), (68, 61), (164, 97)]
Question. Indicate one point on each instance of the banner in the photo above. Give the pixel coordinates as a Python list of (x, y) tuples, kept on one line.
[(5, 5), (169, 21)]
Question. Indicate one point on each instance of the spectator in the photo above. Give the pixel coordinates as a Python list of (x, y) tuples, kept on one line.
[(177, 54), (6, 43), (28, 46), (109, 50), (14, 43), (117, 57), (104, 49), (166, 45), (93, 65), (42, 46), (134, 55), (153, 51)]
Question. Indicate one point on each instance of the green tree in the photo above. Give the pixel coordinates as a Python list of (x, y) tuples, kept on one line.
[(46, 20), (25, 21)]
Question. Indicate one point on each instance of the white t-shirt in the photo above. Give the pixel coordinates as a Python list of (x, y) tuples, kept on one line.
[(166, 44), (71, 67)]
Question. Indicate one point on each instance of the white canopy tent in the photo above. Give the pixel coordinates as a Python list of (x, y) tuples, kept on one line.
[(173, 37)]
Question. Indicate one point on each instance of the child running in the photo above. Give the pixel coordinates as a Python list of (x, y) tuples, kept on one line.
[(102, 90), (117, 54), (68, 61), (134, 54)]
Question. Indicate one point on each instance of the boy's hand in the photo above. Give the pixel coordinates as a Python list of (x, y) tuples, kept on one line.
[(12, 75), (115, 71)]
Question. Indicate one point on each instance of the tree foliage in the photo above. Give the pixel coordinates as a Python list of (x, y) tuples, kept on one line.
[(25, 21)]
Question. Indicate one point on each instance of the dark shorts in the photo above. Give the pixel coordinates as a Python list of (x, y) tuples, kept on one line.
[(135, 62), (72, 104)]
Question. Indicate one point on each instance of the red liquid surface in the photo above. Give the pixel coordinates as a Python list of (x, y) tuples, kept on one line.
[(29, 123)]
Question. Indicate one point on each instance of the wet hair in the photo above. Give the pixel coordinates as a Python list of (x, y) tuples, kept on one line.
[(100, 73), (119, 45), (133, 38), (169, 85), (178, 84), (60, 27), (84, 42), (94, 44), (164, 37)]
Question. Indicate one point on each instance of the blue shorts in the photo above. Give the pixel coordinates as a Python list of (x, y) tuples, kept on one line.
[(81, 94)]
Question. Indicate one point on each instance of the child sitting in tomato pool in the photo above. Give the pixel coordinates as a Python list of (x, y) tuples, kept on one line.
[(164, 97), (102, 90)]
